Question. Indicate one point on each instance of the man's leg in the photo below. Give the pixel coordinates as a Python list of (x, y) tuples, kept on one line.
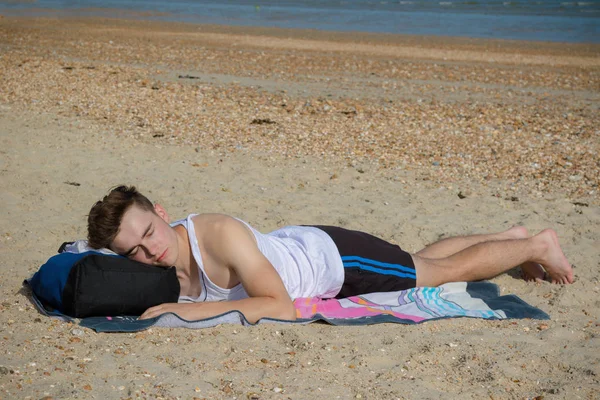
[(485, 260), (446, 247)]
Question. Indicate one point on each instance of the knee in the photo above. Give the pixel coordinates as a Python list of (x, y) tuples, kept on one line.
[(429, 272)]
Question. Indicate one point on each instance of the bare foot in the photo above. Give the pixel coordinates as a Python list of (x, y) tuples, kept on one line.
[(553, 259), (533, 272)]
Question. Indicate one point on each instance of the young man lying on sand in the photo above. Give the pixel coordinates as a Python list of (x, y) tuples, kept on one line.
[(224, 264)]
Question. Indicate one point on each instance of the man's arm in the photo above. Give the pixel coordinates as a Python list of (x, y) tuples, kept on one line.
[(231, 244)]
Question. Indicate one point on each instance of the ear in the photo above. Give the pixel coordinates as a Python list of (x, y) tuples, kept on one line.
[(161, 212)]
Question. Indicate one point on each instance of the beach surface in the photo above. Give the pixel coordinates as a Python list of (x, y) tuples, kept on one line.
[(409, 138)]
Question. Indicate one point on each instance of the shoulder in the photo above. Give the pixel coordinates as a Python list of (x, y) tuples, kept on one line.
[(220, 232), (227, 240), (215, 223)]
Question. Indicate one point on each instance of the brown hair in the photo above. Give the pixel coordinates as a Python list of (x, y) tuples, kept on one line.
[(105, 216)]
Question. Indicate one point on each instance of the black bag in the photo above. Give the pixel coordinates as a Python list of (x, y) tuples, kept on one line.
[(94, 284)]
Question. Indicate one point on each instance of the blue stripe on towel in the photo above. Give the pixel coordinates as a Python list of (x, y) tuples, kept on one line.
[(446, 306)]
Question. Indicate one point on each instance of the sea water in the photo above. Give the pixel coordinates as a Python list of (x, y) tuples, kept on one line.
[(548, 20)]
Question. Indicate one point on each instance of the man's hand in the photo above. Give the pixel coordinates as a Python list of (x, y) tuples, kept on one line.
[(183, 310)]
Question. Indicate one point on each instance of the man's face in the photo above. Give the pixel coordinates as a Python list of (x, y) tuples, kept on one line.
[(146, 236)]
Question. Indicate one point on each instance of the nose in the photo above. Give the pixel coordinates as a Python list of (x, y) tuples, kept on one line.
[(155, 248), (151, 249)]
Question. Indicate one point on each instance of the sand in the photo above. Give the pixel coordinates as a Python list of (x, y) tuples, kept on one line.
[(408, 138)]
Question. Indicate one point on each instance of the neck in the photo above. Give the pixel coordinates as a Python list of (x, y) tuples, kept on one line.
[(187, 270), (185, 257)]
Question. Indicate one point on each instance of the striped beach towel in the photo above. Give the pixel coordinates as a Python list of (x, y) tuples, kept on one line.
[(412, 306)]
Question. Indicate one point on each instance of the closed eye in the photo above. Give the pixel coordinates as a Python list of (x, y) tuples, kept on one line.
[(147, 232), (132, 253)]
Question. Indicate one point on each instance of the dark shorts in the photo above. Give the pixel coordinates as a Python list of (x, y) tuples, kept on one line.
[(371, 264)]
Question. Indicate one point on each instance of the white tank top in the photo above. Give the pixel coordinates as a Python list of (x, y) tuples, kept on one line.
[(306, 259)]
